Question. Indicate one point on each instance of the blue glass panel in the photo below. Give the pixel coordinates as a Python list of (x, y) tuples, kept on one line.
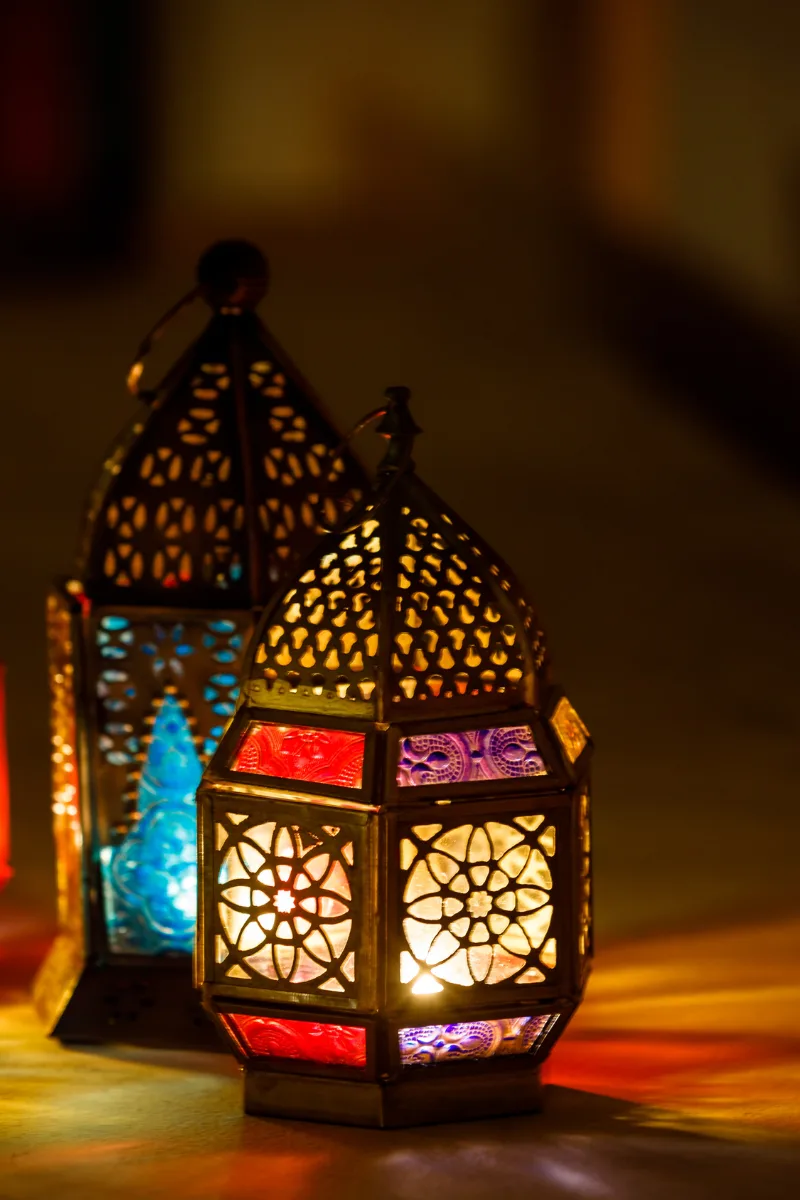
[(150, 878), (114, 622)]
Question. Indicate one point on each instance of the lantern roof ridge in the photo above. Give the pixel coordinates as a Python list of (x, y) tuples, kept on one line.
[(406, 612), (217, 488)]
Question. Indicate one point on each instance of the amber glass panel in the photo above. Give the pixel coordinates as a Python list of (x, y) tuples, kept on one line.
[(64, 760), (309, 1041), (572, 733), (331, 756)]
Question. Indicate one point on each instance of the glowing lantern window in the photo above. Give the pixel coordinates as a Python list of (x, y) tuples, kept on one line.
[(212, 495), (427, 892), (330, 756)]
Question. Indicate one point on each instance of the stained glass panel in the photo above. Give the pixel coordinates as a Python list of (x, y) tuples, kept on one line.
[(426, 1044), (332, 756), (150, 877), (572, 733), (508, 752), (478, 904), (309, 1041), (285, 894), (585, 848)]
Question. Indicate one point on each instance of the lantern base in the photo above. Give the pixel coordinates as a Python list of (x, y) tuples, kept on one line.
[(144, 1004), (425, 1097)]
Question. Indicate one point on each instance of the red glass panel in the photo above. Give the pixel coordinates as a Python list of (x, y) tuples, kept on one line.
[(268, 1037), (296, 752)]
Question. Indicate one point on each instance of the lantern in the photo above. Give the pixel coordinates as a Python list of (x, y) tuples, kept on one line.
[(5, 813), (204, 502), (395, 918)]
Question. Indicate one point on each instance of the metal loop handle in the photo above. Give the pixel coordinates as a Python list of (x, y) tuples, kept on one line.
[(137, 366)]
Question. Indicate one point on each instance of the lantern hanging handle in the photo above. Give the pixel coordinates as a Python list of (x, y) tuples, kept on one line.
[(400, 429), (137, 366)]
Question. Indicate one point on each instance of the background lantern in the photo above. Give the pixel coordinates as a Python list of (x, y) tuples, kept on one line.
[(203, 504), (395, 903)]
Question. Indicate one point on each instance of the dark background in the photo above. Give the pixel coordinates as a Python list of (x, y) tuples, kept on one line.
[(573, 229)]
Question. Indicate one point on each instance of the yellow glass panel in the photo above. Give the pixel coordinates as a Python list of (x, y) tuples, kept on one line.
[(460, 884), (479, 875), (570, 729), (537, 871), (266, 877), (221, 833), (408, 968), (479, 959), (508, 901), (251, 936), (443, 867), (455, 970), (338, 935), (237, 818), (336, 881), (349, 967), (532, 975), (443, 946), (454, 842), (236, 972), (536, 925), (514, 940), (504, 965), (503, 837), (420, 882), (220, 950), (260, 834), (408, 852), (419, 936), (479, 933), (427, 909), (530, 823), (285, 844), (252, 858), (316, 867), (547, 840), (426, 832), (460, 927), (528, 898), (548, 954), (316, 944), (453, 906), (331, 985), (305, 968), (514, 860), (479, 848), (497, 922), (231, 867), (497, 881)]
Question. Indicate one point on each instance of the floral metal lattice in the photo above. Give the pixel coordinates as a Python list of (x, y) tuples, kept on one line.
[(332, 756), (507, 752), (478, 903), (285, 900), (466, 1041), (308, 1041), (572, 733)]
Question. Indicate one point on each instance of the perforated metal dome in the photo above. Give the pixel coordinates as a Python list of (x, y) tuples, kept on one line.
[(408, 611)]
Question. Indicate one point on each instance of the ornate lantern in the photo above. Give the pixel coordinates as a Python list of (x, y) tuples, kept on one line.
[(395, 918), (204, 503), (5, 811)]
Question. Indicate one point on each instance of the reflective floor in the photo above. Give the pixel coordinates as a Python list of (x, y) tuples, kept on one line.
[(676, 1080)]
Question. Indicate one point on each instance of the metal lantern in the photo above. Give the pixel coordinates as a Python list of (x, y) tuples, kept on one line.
[(203, 505), (395, 916)]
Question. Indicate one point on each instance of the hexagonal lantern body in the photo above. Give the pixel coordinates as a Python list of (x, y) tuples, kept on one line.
[(395, 917), (204, 503)]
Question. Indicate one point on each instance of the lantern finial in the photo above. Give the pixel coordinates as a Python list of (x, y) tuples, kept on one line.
[(233, 273)]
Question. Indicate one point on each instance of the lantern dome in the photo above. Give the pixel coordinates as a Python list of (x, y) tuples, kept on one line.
[(209, 497), (395, 828), (408, 613)]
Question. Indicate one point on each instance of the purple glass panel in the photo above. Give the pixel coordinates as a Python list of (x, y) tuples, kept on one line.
[(419, 1047), (508, 752)]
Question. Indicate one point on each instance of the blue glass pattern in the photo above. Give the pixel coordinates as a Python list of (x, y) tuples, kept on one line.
[(150, 878)]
